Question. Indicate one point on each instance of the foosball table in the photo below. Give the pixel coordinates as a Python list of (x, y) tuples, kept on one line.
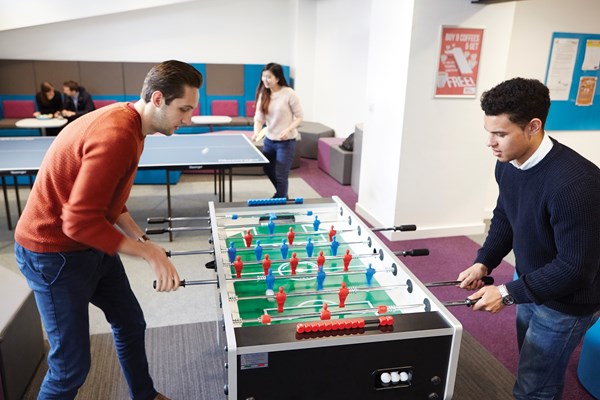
[(314, 306)]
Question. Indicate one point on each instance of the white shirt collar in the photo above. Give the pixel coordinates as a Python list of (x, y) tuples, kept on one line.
[(540, 153)]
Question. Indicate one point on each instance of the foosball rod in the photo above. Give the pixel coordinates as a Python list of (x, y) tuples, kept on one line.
[(351, 289), (402, 228), (321, 243), (180, 229), (171, 253), (184, 283), (298, 244), (304, 260), (488, 280), (162, 220), (261, 277), (366, 310), (466, 302), (413, 253)]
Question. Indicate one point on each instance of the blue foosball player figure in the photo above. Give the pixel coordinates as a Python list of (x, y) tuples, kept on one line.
[(284, 249), (309, 247), (258, 250), (369, 274), (231, 252)]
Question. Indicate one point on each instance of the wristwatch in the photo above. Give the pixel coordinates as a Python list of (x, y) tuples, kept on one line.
[(507, 299)]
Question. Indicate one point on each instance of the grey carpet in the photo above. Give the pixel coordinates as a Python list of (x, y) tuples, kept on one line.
[(186, 364)]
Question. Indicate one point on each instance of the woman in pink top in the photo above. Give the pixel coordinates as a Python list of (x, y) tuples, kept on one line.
[(279, 107)]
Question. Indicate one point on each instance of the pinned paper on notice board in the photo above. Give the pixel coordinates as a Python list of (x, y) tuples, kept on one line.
[(586, 91), (591, 61)]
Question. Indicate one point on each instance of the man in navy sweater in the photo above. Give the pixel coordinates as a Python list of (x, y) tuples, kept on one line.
[(548, 213)]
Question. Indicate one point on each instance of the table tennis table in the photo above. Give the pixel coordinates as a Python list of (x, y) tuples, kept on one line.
[(22, 156)]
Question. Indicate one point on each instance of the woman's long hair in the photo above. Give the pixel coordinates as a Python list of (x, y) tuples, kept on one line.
[(265, 94), (46, 88)]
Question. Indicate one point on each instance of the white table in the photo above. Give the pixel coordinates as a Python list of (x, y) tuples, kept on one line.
[(210, 120), (41, 124)]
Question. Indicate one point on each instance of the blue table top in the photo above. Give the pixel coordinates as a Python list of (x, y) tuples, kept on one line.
[(25, 154)]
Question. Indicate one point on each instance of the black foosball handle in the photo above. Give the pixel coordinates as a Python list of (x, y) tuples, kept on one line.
[(181, 283), (413, 252), (157, 231), (487, 280), (157, 220), (401, 228), (184, 283)]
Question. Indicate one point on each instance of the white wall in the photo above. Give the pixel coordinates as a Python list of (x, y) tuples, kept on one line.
[(304, 65), (388, 63), (342, 31), (38, 12), (204, 31), (436, 145)]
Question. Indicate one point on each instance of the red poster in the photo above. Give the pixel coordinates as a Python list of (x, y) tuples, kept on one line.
[(458, 62)]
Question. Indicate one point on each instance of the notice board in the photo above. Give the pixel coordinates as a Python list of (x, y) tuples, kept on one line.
[(572, 77)]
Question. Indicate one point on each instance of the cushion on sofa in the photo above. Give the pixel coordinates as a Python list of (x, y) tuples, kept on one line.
[(102, 103), (18, 108), (224, 107), (250, 108)]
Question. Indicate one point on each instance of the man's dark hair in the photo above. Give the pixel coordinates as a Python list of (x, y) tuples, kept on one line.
[(520, 99), (72, 85), (170, 78)]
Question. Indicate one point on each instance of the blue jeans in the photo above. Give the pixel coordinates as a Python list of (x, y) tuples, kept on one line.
[(280, 155), (64, 284), (546, 340)]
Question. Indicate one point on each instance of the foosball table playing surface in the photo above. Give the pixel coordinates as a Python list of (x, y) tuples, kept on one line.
[(315, 306)]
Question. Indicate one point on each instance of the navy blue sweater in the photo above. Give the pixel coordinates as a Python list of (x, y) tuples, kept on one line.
[(550, 216)]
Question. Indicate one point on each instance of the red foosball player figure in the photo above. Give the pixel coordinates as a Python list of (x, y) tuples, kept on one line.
[(238, 265), (266, 264), (331, 233), (320, 259), (343, 293), (248, 238), (291, 235), (325, 313), (293, 263), (347, 259), (280, 297)]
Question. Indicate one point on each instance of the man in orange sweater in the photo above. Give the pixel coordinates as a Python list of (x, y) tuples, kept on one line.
[(75, 223)]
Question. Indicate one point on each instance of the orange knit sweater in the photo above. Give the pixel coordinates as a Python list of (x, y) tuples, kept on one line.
[(83, 184)]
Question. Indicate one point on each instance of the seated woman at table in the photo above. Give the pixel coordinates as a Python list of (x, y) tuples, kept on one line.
[(49, 102)]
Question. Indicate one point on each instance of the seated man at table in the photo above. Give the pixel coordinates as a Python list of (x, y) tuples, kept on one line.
[(76, 101)]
